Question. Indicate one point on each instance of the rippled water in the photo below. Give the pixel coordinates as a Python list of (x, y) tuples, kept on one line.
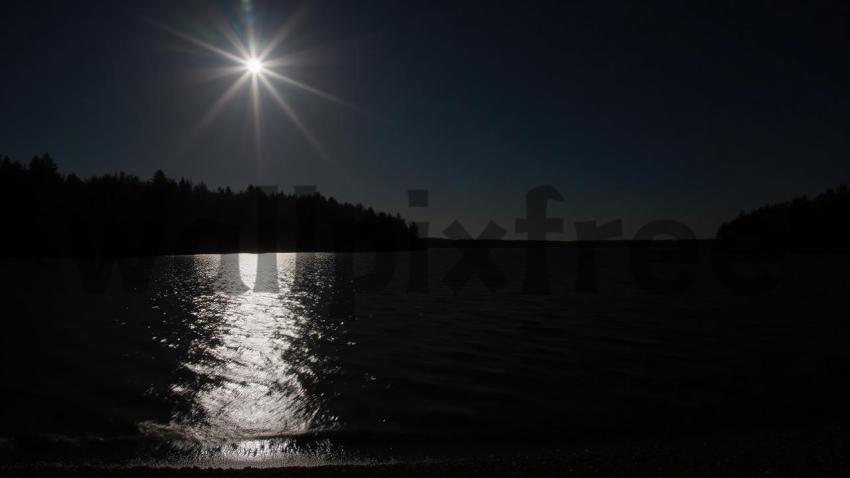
[(285, 359), (244, 379)]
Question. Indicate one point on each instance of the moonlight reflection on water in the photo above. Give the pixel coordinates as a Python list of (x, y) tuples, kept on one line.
[(282, 359), (244, 383)]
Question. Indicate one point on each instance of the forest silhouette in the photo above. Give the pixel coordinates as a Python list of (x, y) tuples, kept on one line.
[(51, 214), (799, 225)]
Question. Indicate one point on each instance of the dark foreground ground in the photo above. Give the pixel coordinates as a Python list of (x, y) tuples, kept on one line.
[(815, 452)]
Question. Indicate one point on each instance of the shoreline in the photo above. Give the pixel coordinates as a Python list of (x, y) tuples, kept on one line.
[(803, 451)]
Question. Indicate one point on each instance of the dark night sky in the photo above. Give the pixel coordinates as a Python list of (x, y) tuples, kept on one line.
[(681, 110)]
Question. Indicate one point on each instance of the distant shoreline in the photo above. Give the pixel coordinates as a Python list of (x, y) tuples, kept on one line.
[(438, 243)]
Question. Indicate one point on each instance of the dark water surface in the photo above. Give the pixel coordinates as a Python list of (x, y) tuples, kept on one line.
[(219, 361)]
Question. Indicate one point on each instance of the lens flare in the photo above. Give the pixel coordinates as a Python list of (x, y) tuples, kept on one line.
[(248, 62)]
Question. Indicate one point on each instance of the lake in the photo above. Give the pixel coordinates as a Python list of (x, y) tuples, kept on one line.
[(292, 359)]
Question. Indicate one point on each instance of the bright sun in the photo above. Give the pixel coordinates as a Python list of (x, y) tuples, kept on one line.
[(254, 65), (255, 69)]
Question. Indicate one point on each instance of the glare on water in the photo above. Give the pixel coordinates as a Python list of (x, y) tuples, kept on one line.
[(245, 393)]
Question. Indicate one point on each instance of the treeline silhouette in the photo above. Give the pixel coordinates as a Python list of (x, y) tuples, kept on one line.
[(48, 213), (821, 224)]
